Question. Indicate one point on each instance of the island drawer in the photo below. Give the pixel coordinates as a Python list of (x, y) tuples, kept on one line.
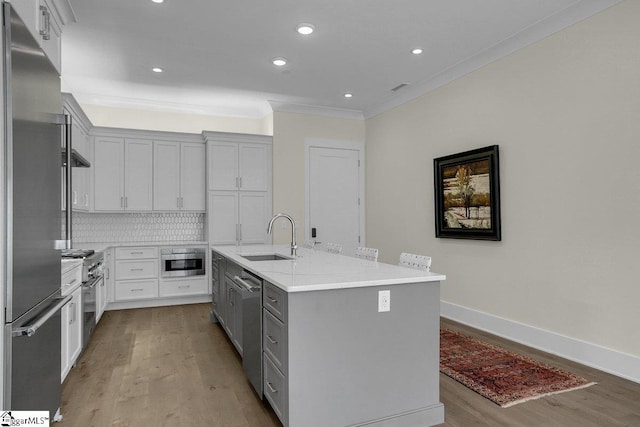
[(274, 387), (136, 289), (134, 269), (274, 299), (137, 253), (273, 339)]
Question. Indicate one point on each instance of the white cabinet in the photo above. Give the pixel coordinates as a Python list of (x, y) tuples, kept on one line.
[(71, 332), (239, 166), (239, 183), (179, 176), (45, 20), (136, 273), (80, 142), (123, 174)]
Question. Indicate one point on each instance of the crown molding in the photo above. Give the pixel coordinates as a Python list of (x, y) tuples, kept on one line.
[(211, 136), (287, 107), (575, 13), (146, 134)]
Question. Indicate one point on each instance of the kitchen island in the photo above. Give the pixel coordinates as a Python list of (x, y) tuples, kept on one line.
[(331, 353)]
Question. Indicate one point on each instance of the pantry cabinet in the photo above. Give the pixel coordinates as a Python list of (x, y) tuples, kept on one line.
[(179, 176), (123, 174), (239, 184)]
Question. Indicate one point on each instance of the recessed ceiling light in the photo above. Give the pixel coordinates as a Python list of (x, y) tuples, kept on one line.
[(158, 1), (279, 62), (416, 51), (348, 95), (305, 29), (157, 70)]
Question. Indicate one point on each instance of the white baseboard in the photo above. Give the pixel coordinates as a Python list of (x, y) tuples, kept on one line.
[(605, 359)]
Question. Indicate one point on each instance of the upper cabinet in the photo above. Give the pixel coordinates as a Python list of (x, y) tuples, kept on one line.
[(123, 174), (45, 20), (142, 171), (178, 176), (80, 142), (239, 166)]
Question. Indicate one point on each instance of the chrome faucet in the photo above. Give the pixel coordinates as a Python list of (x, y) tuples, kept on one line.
[(294, 247)]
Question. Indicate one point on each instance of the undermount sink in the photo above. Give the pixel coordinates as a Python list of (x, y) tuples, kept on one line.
[(266, 257)]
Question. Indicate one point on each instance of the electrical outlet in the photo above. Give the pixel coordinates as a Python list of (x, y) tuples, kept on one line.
[(384, 301)]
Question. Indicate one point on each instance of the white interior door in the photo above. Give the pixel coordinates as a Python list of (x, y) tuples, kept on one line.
[(334, 197)]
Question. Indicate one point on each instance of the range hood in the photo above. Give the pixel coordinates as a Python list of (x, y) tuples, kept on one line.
[(77, 161)]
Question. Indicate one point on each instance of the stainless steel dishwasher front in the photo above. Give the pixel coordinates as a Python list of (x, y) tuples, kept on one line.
[(251, 293)]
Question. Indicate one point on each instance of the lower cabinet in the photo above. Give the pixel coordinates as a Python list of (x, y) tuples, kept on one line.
[(275, 356), (71, 332), (183, 287)]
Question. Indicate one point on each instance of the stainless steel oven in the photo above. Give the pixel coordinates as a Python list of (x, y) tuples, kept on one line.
[(182, 262)]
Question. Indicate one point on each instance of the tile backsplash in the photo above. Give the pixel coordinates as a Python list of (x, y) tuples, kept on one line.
[(137, 227)]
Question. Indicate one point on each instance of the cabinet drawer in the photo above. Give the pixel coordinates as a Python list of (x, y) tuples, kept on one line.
[(143, 269), (71, 279), (183, 287), (137, 253), (273, 338), (274, 299), (137, 289), (274, 387)]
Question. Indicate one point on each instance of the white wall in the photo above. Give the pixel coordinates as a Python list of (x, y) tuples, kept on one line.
[(289, 133), (175, 122), (566, 114)]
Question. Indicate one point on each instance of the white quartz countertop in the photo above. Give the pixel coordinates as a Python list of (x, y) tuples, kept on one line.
[(315, 270), (101, 246)]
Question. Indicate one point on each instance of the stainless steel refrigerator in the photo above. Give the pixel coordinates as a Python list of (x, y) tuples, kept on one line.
[(34, 131)]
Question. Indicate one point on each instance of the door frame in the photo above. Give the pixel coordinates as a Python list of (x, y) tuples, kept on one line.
[(341, 145)]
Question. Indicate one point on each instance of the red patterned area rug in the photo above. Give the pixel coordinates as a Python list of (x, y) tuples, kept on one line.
[(502, 376)]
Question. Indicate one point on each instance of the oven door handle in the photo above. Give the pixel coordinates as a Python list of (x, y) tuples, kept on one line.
[(92, 284), (30, 330)]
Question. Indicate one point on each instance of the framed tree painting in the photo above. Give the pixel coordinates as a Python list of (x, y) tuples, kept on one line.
[(467, 195)]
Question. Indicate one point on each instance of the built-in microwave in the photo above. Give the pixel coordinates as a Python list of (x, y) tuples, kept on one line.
[(182, 262)]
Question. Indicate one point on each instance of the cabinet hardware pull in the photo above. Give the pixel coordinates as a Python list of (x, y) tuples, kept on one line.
[(271, 340), (184, 287), (137, 290), (46, 31), (137, 253), (136, 269), (72, 282), (273, 390), (273, 300), (72, 306), (126, 202), (121, 202), (75, 197), (240, 182)]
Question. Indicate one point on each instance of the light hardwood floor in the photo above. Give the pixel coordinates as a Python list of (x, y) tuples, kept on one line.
[(170, 366)]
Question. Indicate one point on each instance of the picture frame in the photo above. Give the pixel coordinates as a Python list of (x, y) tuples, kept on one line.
[(467, 195)]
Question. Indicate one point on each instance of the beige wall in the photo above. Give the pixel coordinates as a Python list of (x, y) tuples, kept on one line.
[(566, 114), (175, 122), (289, 133)]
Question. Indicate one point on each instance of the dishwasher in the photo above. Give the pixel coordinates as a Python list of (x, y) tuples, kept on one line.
[(251, 294)]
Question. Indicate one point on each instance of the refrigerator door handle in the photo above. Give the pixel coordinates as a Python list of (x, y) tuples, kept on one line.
[(30, 330)]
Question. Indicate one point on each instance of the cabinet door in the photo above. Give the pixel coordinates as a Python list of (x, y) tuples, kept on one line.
[(108, 174), (254, 167), (223, 213), (101, 299), (223, 166), (192, 176), (138, 176), (75, 327), (64, 339), (166, 176), (253, 217)]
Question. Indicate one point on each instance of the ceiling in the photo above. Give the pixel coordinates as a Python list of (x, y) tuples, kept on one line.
[(216, 55)]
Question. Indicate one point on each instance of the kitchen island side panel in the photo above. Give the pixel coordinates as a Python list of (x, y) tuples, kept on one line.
[(350, 364)]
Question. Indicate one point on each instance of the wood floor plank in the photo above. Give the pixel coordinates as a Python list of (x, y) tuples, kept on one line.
[(169, 366)]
